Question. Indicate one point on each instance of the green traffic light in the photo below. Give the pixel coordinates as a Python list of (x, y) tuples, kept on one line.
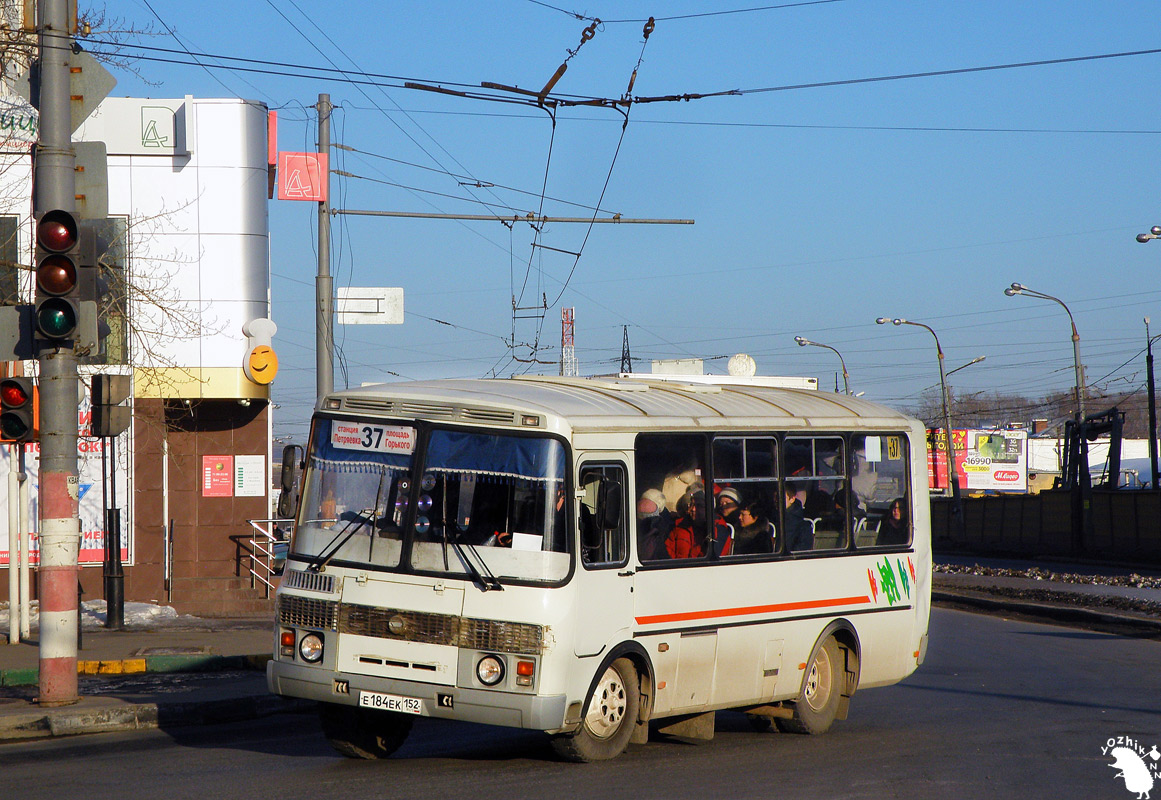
[(56, 318)]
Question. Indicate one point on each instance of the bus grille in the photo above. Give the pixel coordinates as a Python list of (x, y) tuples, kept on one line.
[(311, 581), (306, 612), (443, 629)]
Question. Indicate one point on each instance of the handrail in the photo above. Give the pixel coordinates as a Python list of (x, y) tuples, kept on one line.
[(259, 550)]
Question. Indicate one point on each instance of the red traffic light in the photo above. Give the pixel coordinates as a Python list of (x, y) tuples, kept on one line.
[(56, 275), (13, 393), (18, 410), (56, 231)]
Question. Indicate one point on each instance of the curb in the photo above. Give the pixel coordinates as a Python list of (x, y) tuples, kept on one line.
[(1105, 621), (73, 720), (134, 666)]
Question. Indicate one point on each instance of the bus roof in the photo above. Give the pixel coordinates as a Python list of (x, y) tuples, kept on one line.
[(638, 403)]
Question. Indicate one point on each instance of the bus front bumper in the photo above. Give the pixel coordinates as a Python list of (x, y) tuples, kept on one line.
[(532, 712)]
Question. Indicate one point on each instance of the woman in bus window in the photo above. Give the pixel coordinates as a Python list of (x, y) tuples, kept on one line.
[(894, 529), (755, 534)]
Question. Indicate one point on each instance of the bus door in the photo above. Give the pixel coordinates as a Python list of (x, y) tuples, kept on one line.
[(604, 598)]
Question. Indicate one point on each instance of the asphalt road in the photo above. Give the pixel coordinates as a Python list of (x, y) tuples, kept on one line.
[(1001, 709)]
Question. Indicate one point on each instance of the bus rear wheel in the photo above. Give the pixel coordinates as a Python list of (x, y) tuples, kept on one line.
[(363, 733), (609, 718), (818, 700)]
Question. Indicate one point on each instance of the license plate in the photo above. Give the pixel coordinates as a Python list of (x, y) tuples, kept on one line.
[(391, 702)]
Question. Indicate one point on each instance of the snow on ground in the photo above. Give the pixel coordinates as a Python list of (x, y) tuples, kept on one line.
[(93, 614)]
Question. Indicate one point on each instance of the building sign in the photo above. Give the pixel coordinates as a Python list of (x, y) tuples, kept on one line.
[(302, 176), (217, 476), (985, 460), (250, 476)]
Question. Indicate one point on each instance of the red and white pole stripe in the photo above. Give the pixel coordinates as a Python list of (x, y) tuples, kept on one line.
[(60, 538)]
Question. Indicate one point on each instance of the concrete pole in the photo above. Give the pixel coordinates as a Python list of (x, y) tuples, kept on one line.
[(1152, 409), (323, 287), (60, 527)]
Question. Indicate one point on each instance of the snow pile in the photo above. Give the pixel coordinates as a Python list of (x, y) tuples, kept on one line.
[(93, 615)]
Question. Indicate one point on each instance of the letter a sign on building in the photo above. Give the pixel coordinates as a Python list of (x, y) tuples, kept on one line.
[(302, 176)]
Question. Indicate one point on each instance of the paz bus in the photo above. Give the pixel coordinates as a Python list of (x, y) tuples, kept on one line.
[(600, 558)]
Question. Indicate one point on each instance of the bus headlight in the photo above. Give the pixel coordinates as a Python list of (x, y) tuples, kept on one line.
[(311, 648), (490, 670)]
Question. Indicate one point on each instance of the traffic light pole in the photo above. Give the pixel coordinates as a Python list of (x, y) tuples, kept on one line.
[(60, 527)]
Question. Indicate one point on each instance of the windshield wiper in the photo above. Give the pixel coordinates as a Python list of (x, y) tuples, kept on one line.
[(352, 527), (485, 579)]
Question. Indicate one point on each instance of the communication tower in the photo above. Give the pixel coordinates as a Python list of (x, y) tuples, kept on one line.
[(568, 365)]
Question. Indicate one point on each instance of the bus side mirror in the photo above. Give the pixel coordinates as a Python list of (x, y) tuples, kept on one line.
[(288, 480), (609, 505)]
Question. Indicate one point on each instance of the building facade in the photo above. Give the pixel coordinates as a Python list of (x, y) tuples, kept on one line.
[(185, 252)]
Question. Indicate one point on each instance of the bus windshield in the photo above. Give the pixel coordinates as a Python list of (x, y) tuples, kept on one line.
[(481, 502), (500, 497), (354, 493)]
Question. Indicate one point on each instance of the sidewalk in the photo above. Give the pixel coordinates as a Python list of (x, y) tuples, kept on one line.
[(168, 670), (155, 673)]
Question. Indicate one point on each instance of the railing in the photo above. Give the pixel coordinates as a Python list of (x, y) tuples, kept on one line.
[(263, 552)]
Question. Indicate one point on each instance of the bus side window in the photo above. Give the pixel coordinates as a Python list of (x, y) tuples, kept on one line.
[(602, 529)]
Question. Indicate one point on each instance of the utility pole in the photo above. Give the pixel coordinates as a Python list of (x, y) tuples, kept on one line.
[(626, 359), (60, 526), (323, 287)]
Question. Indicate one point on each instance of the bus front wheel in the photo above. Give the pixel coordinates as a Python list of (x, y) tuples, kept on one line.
[(609, 718), (818, 700), (363, 733)]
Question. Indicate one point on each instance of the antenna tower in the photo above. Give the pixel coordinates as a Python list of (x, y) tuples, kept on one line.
[(568, 365)]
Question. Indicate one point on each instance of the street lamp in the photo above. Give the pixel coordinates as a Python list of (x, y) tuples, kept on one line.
[(1019, 288), (1154, 233), (952, 479), (803, 342)]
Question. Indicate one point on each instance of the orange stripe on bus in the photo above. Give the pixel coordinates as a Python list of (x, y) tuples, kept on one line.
[(689, 616)]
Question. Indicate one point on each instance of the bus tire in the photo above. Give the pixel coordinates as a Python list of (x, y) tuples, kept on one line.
[(818, 699), (610, 716), (363, 733)]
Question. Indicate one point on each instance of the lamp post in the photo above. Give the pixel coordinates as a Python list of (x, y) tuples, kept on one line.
[(1152, 405), (803, 342), (1019, 288), (1154, 233), (952, 479)]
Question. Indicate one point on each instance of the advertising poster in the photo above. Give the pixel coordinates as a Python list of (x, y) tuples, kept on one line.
[(217, 476), (92, 493), (985, 460)]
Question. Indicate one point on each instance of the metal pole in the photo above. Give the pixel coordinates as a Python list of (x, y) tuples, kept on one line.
[(114, 573), (24, 534), (324, 290), (1152, 409), (60, 526), (13, 548)]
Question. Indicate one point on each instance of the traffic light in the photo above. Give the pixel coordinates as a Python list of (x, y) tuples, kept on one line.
[(65, 275), (19, 410)]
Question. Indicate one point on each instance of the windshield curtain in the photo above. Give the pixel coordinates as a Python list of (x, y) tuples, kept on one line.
[(502, 498), (355, 492)]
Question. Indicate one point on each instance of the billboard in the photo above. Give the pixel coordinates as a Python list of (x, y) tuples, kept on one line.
[(985, 460)]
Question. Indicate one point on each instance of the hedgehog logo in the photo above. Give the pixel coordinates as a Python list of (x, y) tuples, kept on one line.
[(1134, 770)]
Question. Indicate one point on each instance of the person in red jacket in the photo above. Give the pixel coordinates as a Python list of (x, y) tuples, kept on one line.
[(687, 538)]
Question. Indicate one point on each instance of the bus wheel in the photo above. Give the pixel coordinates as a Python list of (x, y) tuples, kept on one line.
[(361, 732), (817, 703), (609, 720)]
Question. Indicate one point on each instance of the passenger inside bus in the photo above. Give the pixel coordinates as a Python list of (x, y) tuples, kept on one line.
[(893, 528), (799, 533), (654, 523), (685, 540), (756, 534)]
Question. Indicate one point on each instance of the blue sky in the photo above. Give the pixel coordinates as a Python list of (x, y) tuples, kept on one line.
[(817, 209)]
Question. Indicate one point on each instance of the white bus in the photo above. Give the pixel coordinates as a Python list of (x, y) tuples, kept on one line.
[(596, 558)]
